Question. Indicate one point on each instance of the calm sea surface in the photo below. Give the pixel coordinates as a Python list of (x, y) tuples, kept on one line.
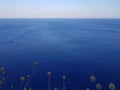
[(77, 48)]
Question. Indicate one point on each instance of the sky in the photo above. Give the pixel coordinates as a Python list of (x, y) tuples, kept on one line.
[(59, 8)]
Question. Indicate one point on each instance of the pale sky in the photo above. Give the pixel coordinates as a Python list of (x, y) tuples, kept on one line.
[(59, 8)]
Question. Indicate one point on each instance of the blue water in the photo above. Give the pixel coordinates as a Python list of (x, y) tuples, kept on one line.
[(77, 48)]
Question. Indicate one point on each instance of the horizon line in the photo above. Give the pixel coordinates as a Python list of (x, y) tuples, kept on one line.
[(59, 18)]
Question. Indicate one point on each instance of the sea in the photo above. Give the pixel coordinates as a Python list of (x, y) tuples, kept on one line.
[(75, 48)]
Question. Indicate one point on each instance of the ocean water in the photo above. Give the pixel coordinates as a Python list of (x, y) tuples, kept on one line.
[(77, 48)]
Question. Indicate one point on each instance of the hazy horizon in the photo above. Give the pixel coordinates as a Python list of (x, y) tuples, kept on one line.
[(60, 9)]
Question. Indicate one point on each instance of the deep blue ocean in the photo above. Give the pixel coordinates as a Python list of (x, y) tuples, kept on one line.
[(77, 48)]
